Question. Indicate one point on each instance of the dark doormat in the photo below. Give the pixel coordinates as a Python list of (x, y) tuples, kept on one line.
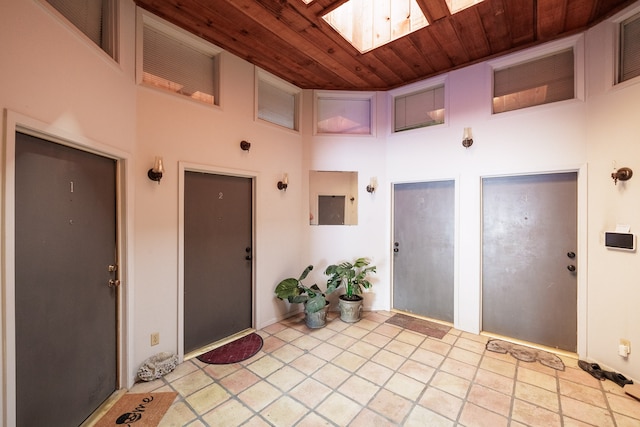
[(526, 354), (233, 352), (420, 326)]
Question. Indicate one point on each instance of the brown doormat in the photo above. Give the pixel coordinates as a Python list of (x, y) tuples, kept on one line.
[(138, 409), (526, 354), (233, 352), (425, 327)]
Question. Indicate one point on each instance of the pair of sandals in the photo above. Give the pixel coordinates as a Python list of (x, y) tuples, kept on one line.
[(600, 374)]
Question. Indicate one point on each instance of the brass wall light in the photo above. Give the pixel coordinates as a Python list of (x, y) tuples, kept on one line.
[(622, 174), (155, 173), (467, 138), (373, 183), (284, 183)]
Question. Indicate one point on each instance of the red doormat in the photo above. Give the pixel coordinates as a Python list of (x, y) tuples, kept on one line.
[(139, 409), (233, 352), (425, 327)]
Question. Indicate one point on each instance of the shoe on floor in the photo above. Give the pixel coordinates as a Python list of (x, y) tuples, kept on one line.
[(592, 368), (617, 378)]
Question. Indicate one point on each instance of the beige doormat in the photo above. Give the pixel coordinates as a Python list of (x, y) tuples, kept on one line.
[(526, 354), (414, 324), (138, 409)]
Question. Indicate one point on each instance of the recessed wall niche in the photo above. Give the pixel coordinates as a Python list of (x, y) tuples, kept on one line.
[(333, 198)]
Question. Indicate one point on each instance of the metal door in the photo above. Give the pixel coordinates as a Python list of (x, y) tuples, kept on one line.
[(217, 257), (423, 248), (331, 210), (66, 312), (529, 261)]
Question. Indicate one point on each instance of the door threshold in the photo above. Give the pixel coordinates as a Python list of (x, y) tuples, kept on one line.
[(557, 351), (417, 316), (104, 408), (219, 343)]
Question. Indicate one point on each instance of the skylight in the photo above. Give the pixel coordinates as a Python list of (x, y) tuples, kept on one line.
[(458, 5), (368, 24)]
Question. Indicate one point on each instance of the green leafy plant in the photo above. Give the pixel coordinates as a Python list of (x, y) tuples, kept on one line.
[(353, 276), (294, 291)]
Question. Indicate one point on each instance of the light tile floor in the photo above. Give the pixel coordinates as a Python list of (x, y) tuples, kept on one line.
[(375, 374)]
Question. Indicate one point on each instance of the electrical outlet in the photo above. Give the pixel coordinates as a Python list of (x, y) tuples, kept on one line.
[(155, 338)]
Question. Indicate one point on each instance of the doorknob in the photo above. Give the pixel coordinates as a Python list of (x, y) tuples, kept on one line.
[(571, 255), (571, 268)]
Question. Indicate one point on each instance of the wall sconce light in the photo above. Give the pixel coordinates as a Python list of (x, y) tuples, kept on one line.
[(373, 183), (245, 145), (282, 185), (467, 138), (155, 173), (622, 174)]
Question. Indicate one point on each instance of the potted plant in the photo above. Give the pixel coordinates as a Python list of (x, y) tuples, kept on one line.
[(313, 299), (354, 277)]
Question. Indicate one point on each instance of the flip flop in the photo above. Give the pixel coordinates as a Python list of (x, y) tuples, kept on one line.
[(617, 378), (592, 368)]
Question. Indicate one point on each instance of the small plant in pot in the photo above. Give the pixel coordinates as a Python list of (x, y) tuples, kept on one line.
[(354, 277), (312, 297)]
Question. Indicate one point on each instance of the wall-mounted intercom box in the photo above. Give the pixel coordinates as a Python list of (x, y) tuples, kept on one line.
[(622, 241)]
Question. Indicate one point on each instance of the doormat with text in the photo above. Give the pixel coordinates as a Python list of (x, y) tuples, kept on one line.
[(138, 409), (526, 354), (420, 326), (233, 352)]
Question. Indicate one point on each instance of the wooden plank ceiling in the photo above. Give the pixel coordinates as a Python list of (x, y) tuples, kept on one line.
[(291, 40)]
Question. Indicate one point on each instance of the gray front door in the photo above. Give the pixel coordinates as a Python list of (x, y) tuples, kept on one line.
[(66, 313), (529, 260), (423, 248), (217, 257)]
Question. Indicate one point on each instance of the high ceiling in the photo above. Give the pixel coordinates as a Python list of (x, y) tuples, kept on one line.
[(291, 40)]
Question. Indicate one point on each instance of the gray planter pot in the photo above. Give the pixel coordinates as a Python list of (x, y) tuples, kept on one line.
[(350, 310), (318, 319)]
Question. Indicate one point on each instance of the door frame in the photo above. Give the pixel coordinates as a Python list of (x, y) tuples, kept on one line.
[(15, 122), (184, 167), (456, 239), (581, 244)]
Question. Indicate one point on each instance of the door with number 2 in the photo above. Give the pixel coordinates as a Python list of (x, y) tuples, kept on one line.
[(217, 257)]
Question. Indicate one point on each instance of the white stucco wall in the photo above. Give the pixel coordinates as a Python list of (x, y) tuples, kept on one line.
[(612, 140), (52, 77)]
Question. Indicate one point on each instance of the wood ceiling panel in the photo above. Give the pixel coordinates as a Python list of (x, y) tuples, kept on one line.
[(444, 33), (471, 33), (605, 8), (496, 26), (242, 42), (406, 60), (291, 40), (307, 31), (579, 13), (430, 51), (521, 21), (551, 18), (434, 10), (296, 33)]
